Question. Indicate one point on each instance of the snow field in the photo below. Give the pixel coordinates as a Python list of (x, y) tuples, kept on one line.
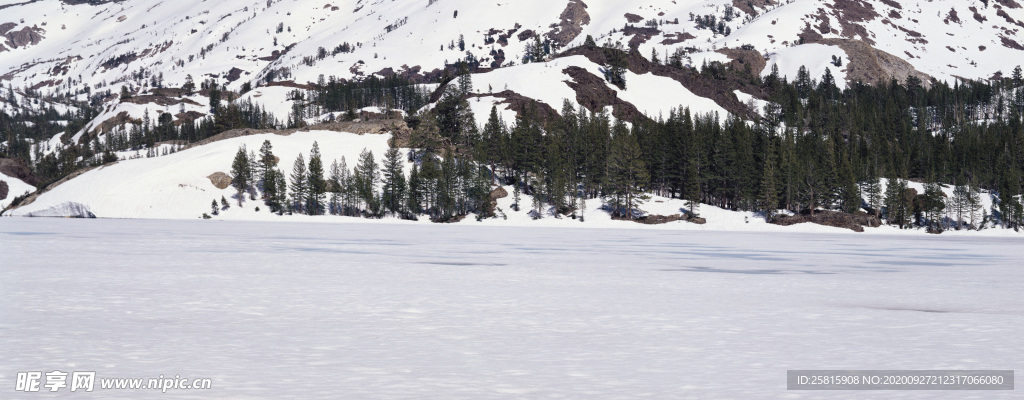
[(465, 312)]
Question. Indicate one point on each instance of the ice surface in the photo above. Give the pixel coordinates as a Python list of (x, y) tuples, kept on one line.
[(371, 311)]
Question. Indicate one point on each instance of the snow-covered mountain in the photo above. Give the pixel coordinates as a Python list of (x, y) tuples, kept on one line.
[(53, 46), (56, 52)]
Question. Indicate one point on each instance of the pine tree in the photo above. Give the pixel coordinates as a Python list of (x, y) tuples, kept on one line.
[(960, 203), (189, 87), (281, 199), (346, 189), (934, 204), (299, 185), (769, 188), (215, 94), (627, 173), (214, 209), (272, 190), (897, 203), (974, 205), (334, 182), (255, 179), (872, 190), (266, 164), (414, 200), (316, 188), (367, 176), (240, 173), (394, 181)]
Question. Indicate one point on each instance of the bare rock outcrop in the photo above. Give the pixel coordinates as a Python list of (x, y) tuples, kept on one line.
[(855, 222), (573, 18), (220, 180)]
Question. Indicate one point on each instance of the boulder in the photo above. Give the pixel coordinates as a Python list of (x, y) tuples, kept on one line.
[(220, 180), (855, 222)]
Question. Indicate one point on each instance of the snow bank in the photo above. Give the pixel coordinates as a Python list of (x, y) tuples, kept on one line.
[(816, 57)]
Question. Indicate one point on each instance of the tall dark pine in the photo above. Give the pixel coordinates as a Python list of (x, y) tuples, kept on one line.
[(299, 185), (394, 181), (317, 187), (627, 174), (240, 173), (367, 175)]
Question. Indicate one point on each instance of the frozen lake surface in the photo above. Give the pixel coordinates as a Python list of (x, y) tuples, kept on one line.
[(377, 311)]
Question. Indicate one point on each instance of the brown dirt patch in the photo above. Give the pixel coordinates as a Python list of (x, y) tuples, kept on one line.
[(159, 100), (290, 84), (499, 193), (519, 103), (655, 219), (359, 128), (18, 169), (870, 65), (741, 58), (27, 36), (677, 37), (633, 18), (526, 35), (1002, 13), (1007, 42), (234, 74), (106, 126), (892, 4), (952, 17), (718, 90), (745, 5), (220, 180), (3, 190), (593, 94), (571, 25), (640, 35), (851, 13), (855, 222), (277, 53), (977, 17)]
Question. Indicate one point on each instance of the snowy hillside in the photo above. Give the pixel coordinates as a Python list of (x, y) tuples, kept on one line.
[(51, 47), (15, 187), (178, 186)]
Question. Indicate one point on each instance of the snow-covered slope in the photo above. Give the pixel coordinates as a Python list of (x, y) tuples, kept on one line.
[(53, 47), (15, 187), (177, 185), (79, 44)]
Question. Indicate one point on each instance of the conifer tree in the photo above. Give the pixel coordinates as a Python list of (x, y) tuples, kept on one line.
[(897, 204), (240, 173), (281, 196), (627, 173), (934, 204), (266, 163), (414, 199), (394, 186), (334, 182), (367, 175), (299, 186), (316, 188), (872, 190), (272, 190), (769, 188)]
